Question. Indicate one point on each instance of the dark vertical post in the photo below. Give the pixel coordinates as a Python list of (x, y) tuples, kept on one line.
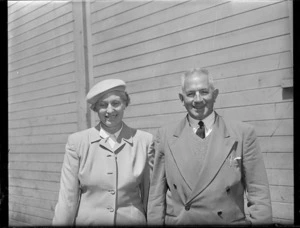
[(4, 117)]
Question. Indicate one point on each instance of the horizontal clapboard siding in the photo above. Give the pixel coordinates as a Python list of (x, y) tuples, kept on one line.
[(45, 120), (44, 11), (34, 157), (42, 105), (61, 58), (219, 56), (188, 21), (242, 97), (33, 193), (37, 203), (245, 46), (41, 214), (13, 7), (31, 148), (32, 175), (43, 130), (45, 102), (56, 51), (43, 93), (24, 140), (36, 43), (246, 113), (56, 71), (26, 219)]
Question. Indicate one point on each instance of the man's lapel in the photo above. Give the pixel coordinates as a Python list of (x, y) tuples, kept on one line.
[(179, 144), (219, 147)]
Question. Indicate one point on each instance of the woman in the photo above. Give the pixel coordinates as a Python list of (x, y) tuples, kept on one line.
[(106, 169)]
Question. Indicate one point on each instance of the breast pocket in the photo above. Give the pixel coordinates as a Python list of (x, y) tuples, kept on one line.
[(232, 169)]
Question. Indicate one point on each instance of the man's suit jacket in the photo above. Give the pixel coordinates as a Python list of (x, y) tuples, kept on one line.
[(233, 164), (114, 182)]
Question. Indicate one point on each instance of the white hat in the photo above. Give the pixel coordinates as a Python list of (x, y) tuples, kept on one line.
[(103, 87)]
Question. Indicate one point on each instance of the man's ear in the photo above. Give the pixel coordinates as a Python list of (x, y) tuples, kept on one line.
[(180, 97), (215, 94)]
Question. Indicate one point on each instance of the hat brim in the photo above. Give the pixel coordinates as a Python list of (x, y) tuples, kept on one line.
[(95, 97)]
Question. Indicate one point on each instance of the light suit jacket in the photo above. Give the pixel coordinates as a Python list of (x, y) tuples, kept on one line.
[(233, 165), (113, 183)]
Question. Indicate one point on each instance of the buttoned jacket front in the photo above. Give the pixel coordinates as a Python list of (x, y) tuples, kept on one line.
[(113, 182), (233, 164)]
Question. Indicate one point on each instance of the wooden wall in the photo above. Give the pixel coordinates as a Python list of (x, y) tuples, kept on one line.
[(43, 104), (246, 45), (58, 50)]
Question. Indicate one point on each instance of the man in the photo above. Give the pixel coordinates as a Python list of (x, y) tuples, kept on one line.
[(204, 164)]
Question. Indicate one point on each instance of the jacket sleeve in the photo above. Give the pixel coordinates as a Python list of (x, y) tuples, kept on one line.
[(66, 207), (256, 181), (158, 186), (145, 185)]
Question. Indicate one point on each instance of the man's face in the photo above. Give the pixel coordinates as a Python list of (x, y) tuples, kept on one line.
[(110, 108), (198, 97)]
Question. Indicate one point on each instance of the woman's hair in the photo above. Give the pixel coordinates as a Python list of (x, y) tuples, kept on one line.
[(124, 96)]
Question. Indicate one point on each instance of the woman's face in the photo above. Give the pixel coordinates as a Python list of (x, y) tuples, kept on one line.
[(110, 108)]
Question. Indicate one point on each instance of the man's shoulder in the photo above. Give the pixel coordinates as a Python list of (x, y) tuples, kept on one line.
[(237, 126), (236, 123), (172, 126)]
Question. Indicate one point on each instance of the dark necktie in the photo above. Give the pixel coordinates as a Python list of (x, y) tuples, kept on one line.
[(201, 130)]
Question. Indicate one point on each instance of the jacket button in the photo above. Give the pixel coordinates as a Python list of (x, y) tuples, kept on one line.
[(187, 207), (227, 189), (112, 192)]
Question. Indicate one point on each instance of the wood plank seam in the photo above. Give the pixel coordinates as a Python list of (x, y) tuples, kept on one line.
[(37, 53), (183, 43), (201, 53), (43, 24), (21, 7), (55, 7), (104, 19), (65, 31), (45, 32), (46, 68), (213, 65), (40, 89), (42, 79), (219, 19), (161, 23), (114, 3)]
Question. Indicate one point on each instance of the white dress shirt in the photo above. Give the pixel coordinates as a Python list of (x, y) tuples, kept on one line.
[(111, 138), (208, 123)]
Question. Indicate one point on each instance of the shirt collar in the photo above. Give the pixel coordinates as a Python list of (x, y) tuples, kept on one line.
[(104, 134), (208, 121)]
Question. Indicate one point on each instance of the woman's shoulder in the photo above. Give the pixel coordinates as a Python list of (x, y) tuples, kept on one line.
[(143, 136), (144, 133), (81, 135), (140, 134)]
